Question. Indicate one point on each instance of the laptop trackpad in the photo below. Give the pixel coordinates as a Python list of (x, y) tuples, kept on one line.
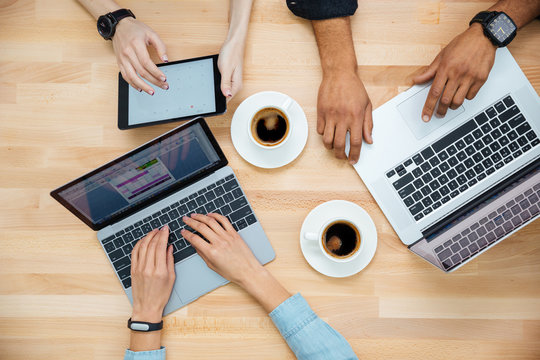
[(194, 278), (411, 111)]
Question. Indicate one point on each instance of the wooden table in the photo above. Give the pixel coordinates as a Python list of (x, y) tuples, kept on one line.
[(59, 298)]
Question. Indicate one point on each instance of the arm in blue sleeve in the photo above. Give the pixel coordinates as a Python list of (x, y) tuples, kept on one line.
[(322, 9), (145, 355), (306, 334)]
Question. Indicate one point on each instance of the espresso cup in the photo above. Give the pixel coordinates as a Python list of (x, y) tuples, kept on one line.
[(340, 240), (270, 126)]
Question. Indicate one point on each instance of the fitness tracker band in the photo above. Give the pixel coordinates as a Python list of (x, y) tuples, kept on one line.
[(144, 326)]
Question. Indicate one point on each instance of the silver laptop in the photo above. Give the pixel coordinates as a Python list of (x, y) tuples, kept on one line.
[(456, 186), (179, 173)]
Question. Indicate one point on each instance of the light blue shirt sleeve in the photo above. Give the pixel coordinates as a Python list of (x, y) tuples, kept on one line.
[(307, 335), (145, 355)]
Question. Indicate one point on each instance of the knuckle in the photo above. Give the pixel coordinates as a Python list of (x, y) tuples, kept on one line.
[(435, 92), (445, 101)]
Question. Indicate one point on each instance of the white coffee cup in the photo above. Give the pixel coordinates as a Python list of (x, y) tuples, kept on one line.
[(320, 237), (284, 108)]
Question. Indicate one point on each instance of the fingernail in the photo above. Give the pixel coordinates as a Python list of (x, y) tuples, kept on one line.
[(165, 59), (165, 227), (163, 78), (352, 162), (152, 92), (229, 93), (139, 90), (425, 118), (165, 87)]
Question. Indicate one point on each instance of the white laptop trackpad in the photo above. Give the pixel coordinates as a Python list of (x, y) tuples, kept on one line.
[(194, 278), (411, 111)]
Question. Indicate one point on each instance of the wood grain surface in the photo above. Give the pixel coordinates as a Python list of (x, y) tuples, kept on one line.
[(59, 298)]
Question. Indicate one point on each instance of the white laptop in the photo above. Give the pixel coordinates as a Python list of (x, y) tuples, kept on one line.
[(455, 186)]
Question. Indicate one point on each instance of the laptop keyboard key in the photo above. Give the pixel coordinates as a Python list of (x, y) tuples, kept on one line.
[(184, 253), (251, 219), (122, 263), (443, 255), (115, 255), (109, 247), (239, 214)]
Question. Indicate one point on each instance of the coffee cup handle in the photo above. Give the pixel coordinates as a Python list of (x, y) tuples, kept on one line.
[(288, 102), (311, 236)]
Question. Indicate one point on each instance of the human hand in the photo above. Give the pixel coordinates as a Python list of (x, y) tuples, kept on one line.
[(152, 275), (225, 252), (460, 70), (230, 64), (130, 42), (343, 105)]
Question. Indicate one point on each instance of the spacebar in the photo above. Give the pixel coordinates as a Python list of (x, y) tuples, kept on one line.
[(454, 136)]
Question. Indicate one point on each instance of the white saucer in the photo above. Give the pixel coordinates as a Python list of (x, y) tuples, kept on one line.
[(323, 213), (268, 158)]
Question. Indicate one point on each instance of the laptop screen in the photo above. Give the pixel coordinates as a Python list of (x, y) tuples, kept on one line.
[(156, 168)]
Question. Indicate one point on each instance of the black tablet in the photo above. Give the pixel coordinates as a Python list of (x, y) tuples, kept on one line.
[(194, 90)]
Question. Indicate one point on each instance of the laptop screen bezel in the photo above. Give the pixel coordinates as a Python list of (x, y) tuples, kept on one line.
[(152, 199)]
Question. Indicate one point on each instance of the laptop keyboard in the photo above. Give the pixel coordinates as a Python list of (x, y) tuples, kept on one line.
[(489, 229), (224, 197), (462, 158)]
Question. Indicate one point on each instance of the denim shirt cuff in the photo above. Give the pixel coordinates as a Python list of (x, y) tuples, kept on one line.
[(292, 315), (145, 355)]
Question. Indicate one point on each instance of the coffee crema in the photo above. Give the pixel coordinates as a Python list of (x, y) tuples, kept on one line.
[(269, 126), (341, 239)]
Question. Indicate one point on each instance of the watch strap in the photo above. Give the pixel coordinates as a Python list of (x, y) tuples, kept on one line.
[(483, 17), (144, 326), (119, 14)]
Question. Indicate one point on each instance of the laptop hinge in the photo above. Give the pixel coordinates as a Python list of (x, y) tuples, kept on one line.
[(479, 199)]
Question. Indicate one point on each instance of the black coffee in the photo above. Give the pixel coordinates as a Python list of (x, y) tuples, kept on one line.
[(269, 126), (341, 239)]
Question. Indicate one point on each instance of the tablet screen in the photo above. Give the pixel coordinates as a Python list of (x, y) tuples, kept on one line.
[(191, 92)]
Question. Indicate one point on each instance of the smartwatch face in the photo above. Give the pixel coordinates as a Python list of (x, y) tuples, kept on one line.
[(502, 28), (104, 26)]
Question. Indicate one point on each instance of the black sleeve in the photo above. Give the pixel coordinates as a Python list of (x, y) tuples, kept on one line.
[(322, 9)]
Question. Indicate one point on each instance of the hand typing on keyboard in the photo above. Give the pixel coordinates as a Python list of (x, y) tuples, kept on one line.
[(152, 272), (226, 253)]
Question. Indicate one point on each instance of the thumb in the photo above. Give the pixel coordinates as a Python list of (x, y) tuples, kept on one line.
[(429, 73), (161, 49), (236, 81), (170, 259), (226, 84)]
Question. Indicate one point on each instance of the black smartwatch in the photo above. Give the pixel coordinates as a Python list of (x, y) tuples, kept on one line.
[(106, 24), (144, 326), (498, 27)]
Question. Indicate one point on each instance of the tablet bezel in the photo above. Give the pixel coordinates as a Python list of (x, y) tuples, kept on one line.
[(123, 97)]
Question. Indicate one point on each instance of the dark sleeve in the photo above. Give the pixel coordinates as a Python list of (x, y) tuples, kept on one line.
[(322, 9)]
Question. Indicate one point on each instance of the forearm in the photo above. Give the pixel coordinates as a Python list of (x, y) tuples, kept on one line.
[(265, 289), (239, 14), (521, 11), (145, 341), (335, 43), (99, 7)]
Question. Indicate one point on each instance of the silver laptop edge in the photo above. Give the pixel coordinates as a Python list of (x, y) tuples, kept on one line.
[(399, 133)]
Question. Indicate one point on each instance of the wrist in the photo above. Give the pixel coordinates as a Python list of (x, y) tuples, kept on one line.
[(151, 316), (477, 31), (254, 278)]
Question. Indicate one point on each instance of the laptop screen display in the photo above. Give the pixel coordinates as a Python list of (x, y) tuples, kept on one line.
[(122, 185)]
